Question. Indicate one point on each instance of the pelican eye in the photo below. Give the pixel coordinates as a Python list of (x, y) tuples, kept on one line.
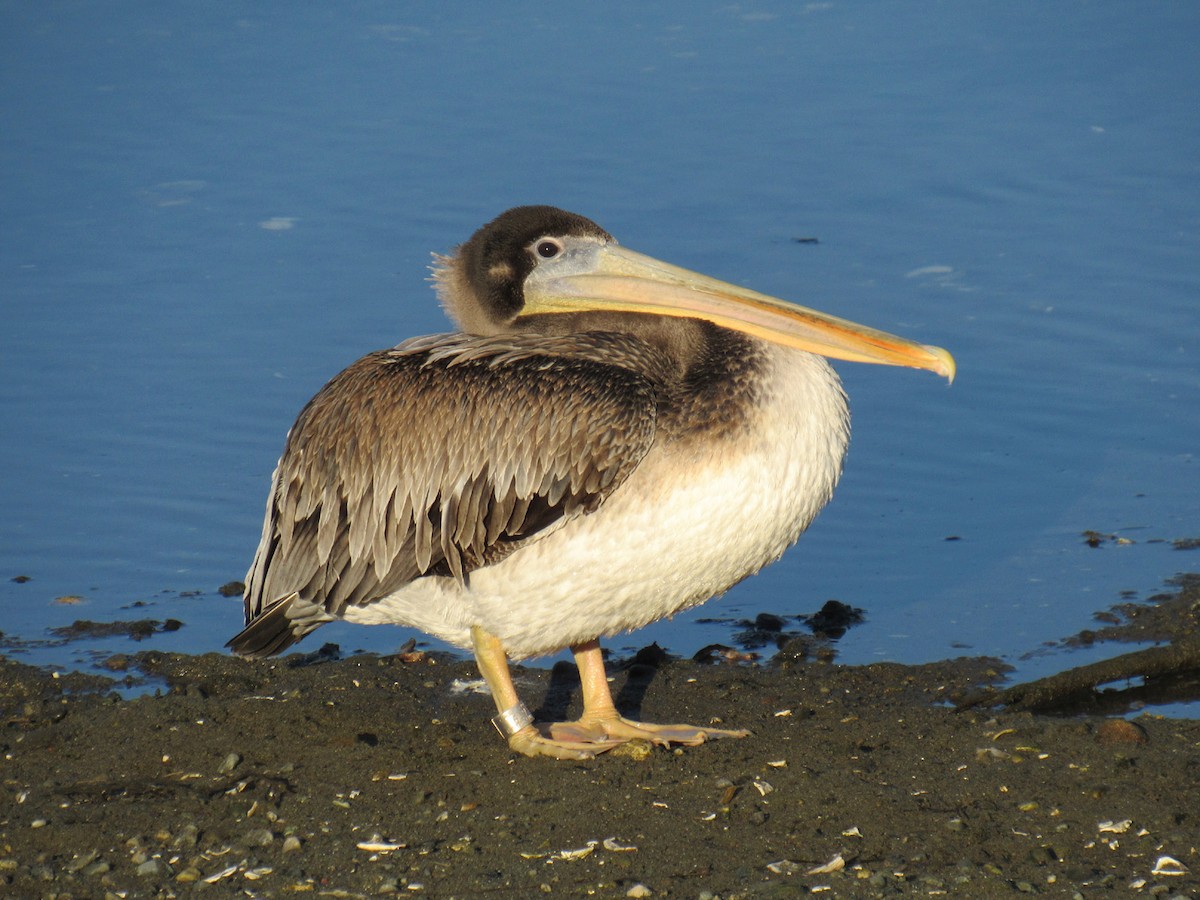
[(547, 249)]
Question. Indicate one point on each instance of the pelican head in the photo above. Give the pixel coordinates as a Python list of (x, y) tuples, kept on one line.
[(535, 261)]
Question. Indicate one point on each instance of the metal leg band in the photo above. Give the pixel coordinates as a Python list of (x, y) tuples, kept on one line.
[(512, 720)]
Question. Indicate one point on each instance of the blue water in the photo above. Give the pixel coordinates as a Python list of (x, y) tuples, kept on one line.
[(209, 210)]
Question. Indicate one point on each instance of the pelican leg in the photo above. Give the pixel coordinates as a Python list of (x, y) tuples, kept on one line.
[(513, 720), (603, 727)]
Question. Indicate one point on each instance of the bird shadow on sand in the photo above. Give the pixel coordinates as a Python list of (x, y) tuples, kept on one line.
[(564, 688)]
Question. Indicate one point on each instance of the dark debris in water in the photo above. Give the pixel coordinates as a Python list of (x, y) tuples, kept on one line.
[(1099, 539), (138, 630), (1161, 618), (1167, 672), (720, 653), (771, 630), (833, 619)]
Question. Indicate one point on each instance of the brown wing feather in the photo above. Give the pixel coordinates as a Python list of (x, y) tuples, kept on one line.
[(442, 455)]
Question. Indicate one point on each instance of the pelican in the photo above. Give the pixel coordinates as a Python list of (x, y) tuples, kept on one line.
[(607, 440)]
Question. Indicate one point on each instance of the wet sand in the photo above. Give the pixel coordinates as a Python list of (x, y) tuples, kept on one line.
[(381, 775)]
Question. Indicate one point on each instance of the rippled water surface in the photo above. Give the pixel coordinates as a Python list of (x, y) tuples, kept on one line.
[(208, 211)]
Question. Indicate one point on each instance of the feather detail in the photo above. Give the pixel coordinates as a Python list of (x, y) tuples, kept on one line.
[(443, 455)]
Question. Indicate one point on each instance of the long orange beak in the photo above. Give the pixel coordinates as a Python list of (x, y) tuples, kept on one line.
[(611, 277)]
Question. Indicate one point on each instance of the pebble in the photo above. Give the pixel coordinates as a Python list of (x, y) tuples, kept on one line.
[(1115, 732), (150, 868), (187, 837), (258, 837), (639, 890), (636, 750), (230, 763), (81, 861), (1168, 865)]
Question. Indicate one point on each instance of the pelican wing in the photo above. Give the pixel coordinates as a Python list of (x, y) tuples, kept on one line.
[(438, 457)]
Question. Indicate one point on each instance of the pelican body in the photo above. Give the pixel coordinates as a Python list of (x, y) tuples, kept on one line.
[(607, 440)]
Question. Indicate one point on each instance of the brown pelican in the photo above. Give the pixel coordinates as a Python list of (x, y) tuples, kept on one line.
[(608, 440)]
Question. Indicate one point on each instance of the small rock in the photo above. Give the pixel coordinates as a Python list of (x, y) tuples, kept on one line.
[(1042, 856), (639, 890), (291, 844), (636, 749), (1168, 865), (230, 763), (150, 868), (81, 861), (1118, 732), (258, 837), (186, 839), (765, 621), (834, 618)]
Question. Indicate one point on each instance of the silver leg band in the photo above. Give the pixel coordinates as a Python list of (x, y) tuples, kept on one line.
[(512, 720)]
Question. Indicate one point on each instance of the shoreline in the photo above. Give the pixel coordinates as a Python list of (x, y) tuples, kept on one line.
[(374, 775)]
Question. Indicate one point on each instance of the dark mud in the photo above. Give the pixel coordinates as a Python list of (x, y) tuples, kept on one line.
[(1164, 669), (377, 775), (374, 775)]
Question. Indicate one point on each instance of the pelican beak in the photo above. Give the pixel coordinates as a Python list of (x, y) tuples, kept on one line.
[(612, 278)]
